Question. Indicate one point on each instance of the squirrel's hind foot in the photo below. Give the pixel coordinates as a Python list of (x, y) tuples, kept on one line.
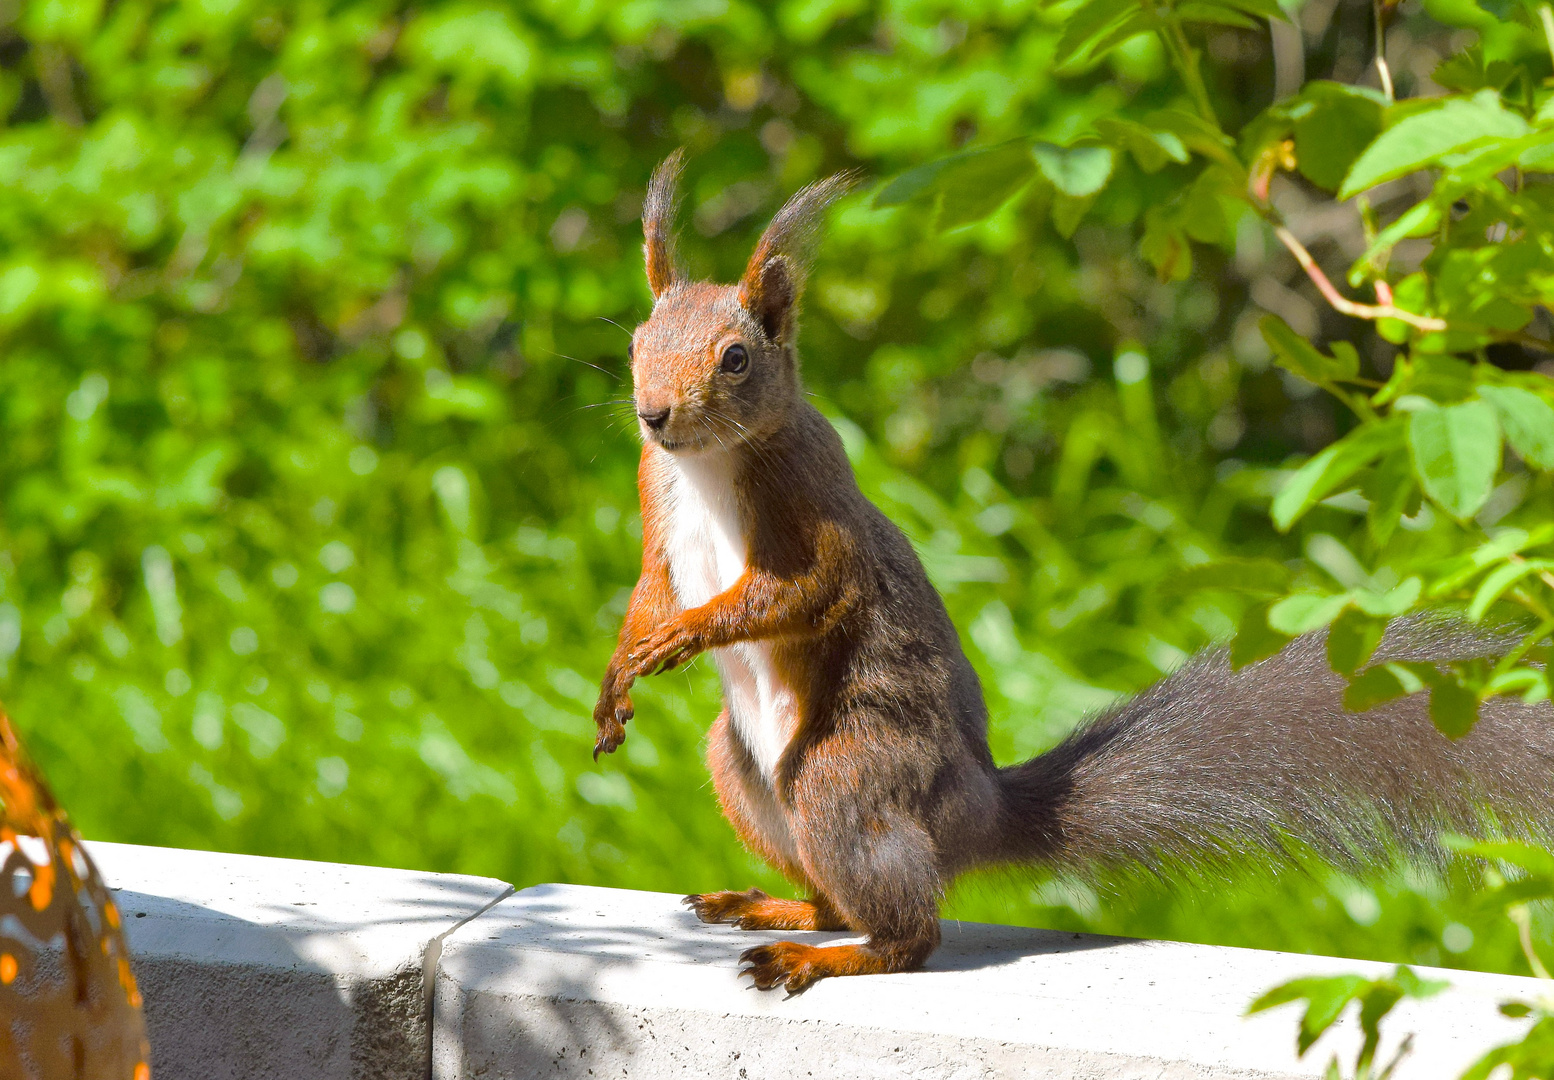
[(755, 910)]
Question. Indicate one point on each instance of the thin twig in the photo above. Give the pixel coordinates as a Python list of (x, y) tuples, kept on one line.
[(1516, 337), (1518, 914), (1381, 50), (1342, 303)]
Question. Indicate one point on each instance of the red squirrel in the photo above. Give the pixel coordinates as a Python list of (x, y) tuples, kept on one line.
[(852, 751)]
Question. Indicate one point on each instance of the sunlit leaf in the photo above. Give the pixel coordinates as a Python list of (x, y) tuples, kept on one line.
[(1528, 422), (1297, 354), (1077, 171), (1456, 453), (1497, 581), (1453, 707), (1153, 150), (1088, 23), (1305, 611), (1372, 687), (1333, 468), (1422, 138), (1393, 494), (1352, 638), (1255, 640), (1333, 124), (1325, 998)]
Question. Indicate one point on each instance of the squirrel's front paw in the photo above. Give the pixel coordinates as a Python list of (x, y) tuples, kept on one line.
[(665, 649), (610, 717)]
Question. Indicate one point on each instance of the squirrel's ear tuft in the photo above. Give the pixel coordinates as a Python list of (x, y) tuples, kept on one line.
[(658, 212), (774, 277), (772, 297)]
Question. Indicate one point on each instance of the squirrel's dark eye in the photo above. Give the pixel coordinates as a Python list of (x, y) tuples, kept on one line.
[(735, 359)]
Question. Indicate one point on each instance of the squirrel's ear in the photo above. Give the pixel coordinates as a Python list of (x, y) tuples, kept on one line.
[(658, 211), (774, 277), (770, 292)]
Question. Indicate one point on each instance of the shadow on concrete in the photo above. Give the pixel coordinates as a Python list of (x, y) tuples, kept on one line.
[(303, 988), (540, 985)]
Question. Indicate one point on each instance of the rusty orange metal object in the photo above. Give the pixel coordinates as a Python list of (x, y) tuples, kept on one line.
[(69, 1007)]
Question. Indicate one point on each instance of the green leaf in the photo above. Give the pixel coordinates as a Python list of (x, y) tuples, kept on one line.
[(1352, 639), (1467, 72), (1497, 581), (936, 177), (1422, 138), (1089, 23), (1295, 353), (970, 185), (1333, 124), (982, 182), (1528, 422), (1418, 220), (1197, 134), (1153, 150), (1306, 611), (1201, 215), (1139, 23), (1453, 707), (1214, 14), (1464, 13), (912, 184), (1393, 495), (1255, 640), (1325, 998), (1331, 468), (1232, 575), (1456, 453), (1528, 857), (1165, 245), (1068, 212), (1077, 171), (1393, 602), (1372, 687)]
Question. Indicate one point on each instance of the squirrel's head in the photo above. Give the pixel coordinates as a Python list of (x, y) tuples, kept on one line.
[(716, 365)]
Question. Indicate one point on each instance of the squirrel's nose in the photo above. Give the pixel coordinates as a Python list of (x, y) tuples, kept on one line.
[(654, 418)]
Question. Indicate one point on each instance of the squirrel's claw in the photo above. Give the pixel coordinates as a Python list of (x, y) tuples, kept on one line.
[(724, 907), (782, 963), (609, 740), (610, 717)]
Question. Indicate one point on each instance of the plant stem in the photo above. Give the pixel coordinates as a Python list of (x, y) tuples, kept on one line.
[(1518, 914), (1381, 51), (1338, 300), (1185, 59)]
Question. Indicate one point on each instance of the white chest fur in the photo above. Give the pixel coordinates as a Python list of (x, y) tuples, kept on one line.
[(707, 550)]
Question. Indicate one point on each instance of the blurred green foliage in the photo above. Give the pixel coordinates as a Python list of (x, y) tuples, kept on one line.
[(318, 496)]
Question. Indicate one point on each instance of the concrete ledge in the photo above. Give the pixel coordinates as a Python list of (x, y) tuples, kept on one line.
[(257, 967), (254, 967), (568, 981)]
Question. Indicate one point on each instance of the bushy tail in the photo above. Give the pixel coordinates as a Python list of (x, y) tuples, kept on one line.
[(1213, 766)]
